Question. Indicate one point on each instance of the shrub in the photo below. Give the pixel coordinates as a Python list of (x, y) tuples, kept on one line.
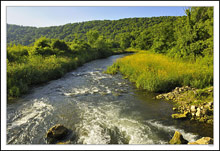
[(60, 45), (16, 53)]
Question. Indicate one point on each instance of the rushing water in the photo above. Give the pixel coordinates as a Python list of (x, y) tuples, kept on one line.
[(99, 108)]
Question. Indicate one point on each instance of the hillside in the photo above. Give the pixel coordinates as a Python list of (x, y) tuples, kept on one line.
[(110, 29), (188, 38)]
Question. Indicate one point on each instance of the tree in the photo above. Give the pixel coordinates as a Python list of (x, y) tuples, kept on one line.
[(59, 44), (92, 36)]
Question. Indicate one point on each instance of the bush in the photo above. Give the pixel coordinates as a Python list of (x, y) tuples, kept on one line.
[(42, 47), (60, 45), (16, 53)]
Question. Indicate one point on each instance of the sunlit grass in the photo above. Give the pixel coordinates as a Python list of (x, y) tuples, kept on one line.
[(159, 73), (25, 69)]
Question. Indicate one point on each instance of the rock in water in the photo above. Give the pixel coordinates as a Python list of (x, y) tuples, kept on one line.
[(203, 140), (62, 143), (178, 139), (181, 116), (56, 133)]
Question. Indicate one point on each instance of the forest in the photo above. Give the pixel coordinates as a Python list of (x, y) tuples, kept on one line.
[(36, 55)]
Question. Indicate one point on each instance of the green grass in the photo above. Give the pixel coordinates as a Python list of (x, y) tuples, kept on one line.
[(159, 73)]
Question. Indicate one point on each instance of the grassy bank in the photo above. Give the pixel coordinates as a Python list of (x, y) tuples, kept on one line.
[(46, 60), (159, 73)]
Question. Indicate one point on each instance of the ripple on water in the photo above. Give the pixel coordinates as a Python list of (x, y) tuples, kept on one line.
[(77, 102), (28, 121), (104, 125)]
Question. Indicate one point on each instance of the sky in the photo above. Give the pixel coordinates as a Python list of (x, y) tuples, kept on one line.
[(53, 16)]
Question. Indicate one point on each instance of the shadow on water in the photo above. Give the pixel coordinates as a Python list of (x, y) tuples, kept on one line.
[(99, 108)]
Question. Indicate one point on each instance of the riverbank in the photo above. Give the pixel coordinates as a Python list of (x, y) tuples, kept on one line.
[(189, 84), (28, 66), (160, 73), (86, 101), (191, 103)]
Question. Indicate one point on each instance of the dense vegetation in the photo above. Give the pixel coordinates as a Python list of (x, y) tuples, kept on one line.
[(188, 42), (49, 59), (188, 39), (115, 30)]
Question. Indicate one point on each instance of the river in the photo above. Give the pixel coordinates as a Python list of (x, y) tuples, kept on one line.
[(99, 108)]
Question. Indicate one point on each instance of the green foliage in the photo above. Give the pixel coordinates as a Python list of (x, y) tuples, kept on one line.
[(125, 40), (42, 47), (46, 60), (144, 41), (163, 37), (109, 29), (79, 47), (58, 49), (60, 45), (14, 53), (194, 33), (92, 37)]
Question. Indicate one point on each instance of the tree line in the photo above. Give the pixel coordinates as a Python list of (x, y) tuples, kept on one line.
[(188, 37)]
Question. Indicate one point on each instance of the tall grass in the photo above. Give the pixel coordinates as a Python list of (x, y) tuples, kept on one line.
[(159, 73), (36, 70)]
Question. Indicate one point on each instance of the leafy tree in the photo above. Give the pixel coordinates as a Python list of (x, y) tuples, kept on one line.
[(92, 36), (58, 44)]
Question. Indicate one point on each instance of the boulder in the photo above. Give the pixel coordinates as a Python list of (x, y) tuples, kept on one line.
[(203, 140), (177, 88), (181, 89), (203, 119), (205, 111), (160, 96), (198, 113), (178, 139), (179, 116), (56, 133), (171, 96), (210, 121), (193, 108), (210, 105)]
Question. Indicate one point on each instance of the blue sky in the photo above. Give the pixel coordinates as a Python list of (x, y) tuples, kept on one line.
[(50, 16)]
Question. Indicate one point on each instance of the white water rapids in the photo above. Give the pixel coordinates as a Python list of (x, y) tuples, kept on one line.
[(99, 108)]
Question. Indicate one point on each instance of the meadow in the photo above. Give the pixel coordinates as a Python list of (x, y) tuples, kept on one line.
[(159, 73)]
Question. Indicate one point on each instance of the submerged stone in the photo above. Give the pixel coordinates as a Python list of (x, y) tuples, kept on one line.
[(178, 139), (56, 133), (61, 143)]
